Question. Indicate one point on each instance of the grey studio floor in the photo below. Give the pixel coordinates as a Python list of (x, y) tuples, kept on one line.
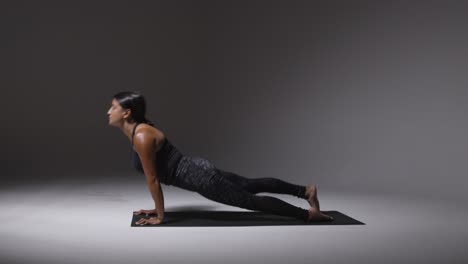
[(73, 221)]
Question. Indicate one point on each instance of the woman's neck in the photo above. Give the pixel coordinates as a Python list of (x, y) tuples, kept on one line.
[(127, 129)]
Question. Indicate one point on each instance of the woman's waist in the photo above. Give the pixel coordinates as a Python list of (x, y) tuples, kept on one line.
[(190, 165)]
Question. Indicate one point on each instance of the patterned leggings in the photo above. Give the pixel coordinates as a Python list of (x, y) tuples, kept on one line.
[(200, 175)]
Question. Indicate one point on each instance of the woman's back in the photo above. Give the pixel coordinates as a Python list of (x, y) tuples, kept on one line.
[(167, 158)]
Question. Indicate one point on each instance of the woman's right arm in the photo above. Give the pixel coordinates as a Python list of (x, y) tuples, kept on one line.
[(145, 147)]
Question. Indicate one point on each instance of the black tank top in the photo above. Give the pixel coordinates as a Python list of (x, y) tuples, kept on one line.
[(167, 159)]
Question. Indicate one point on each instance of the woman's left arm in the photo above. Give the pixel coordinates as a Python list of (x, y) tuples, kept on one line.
[(145, 146)]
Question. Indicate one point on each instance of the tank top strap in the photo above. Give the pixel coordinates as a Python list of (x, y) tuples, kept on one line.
[(133, 132)]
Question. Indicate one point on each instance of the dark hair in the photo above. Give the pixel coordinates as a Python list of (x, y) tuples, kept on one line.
[(136, 103)]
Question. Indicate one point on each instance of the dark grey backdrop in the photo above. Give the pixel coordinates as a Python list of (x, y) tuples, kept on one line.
[(360, 95)]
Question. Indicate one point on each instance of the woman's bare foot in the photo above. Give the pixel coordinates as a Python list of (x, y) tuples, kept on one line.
[(311, 196), (317, 216)]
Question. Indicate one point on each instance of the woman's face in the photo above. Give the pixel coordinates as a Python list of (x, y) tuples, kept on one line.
[(116, 113)]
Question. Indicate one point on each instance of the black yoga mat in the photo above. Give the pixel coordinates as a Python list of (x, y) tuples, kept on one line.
[(243, 218)]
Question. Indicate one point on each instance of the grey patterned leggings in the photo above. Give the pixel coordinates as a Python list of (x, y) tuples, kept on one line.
[(200, 175)]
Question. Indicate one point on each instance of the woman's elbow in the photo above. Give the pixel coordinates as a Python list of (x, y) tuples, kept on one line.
[(153, 179)]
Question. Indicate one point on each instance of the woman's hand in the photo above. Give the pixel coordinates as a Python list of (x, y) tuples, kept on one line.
[(147, 212), (149, 221)]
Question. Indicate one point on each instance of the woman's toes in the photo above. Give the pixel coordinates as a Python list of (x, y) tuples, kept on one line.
[(326, 217), (317, 216)]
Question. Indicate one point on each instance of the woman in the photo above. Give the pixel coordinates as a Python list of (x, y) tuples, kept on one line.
[(161, 162)]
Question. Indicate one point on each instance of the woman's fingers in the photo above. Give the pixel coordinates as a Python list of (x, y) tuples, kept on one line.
[(143, 211), (145, 221), (142, 221)]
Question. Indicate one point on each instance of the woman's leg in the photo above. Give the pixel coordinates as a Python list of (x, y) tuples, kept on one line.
[(270, 185), (200, 175), (224, 191), (273, 185)]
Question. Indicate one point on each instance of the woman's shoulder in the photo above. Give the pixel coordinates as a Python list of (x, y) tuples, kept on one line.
[(153, 132)]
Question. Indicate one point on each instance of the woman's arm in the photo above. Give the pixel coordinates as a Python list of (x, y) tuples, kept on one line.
[(145, 146)]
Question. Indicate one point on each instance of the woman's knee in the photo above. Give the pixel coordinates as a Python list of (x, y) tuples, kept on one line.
[(232, 195)]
